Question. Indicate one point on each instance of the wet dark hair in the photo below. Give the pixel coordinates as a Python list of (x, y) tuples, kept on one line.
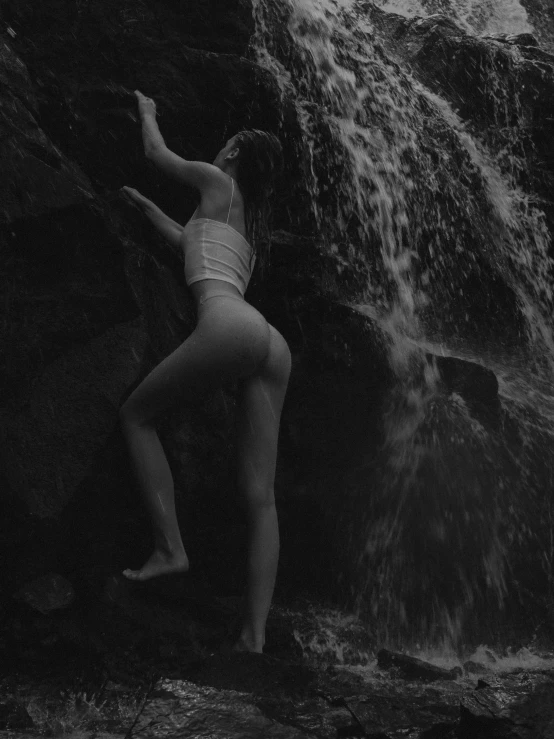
[(259, 165)]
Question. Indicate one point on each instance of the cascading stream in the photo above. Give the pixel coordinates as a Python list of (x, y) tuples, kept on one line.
[(401, 191), (475, 16)]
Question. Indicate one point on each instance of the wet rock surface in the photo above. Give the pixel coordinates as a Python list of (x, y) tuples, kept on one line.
[(132, 690), (146, 664), (541, 16), (183, 708), (413, 668)]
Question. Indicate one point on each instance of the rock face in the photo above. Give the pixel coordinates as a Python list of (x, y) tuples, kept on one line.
[(541, 16), (93, 299), (68, 415), (46, 594), (78, 273), (38, 178)]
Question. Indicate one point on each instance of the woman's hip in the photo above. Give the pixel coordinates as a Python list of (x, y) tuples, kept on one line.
[(234, 326)]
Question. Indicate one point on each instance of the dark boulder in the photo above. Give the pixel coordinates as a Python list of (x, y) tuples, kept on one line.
[(412, 668), (51, 592)]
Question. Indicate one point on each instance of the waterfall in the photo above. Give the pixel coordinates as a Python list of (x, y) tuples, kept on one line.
[(455, 259), (475, 16)]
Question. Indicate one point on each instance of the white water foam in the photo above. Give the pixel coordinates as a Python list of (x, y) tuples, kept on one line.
[(491, 660), (475, 16)]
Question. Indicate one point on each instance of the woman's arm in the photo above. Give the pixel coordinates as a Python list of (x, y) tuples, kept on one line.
[(151, 136), (201, 175), (169, 229)]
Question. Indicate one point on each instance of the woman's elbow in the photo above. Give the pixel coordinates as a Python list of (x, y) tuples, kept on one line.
[(174, 237), (152, 151)]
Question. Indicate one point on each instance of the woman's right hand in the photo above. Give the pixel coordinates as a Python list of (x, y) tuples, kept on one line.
[(146, 105)]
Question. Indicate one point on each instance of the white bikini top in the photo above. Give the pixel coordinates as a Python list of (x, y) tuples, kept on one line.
[(216, 251)]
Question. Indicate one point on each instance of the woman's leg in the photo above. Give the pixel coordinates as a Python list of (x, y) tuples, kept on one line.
[(260, 404), (156, 484), (227, 344)]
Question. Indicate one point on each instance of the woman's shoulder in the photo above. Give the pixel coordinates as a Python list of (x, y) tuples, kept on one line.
[(221, 188)]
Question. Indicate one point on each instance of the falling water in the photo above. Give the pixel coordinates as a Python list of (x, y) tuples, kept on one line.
[(402, 191), (475, 16)]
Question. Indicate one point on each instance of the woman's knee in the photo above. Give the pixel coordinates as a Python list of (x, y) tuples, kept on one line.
[(259, 501)]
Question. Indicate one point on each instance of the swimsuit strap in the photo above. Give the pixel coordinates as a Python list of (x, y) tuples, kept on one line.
[(232, 193)]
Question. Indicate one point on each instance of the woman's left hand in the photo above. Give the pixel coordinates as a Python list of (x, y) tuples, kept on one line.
[(146, 105), (135, 196)]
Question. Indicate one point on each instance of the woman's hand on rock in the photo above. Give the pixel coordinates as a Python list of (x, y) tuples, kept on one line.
[(135, 196), (146, 105)]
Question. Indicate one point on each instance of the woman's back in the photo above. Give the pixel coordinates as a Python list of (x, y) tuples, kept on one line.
[(224, 204), (215, 249)]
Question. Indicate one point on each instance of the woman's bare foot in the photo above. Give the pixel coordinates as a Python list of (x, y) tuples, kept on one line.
[(159, 563)]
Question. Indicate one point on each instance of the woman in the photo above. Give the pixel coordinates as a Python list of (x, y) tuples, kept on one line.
[(232, 341)]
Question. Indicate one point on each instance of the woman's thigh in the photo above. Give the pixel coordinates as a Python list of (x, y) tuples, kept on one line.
[(229, 343), (261, 398)]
